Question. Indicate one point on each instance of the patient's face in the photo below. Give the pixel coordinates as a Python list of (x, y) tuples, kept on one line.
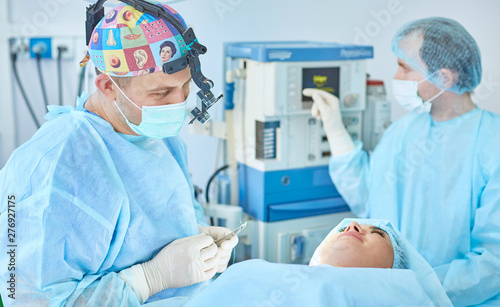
[(358, 246)]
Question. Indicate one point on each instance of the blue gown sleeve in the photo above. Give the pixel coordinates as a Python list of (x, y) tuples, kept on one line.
[(354, 172), (72, 213), (80, 216), (350, 173), (475, 277), (200, 213), (178, 149), (58, 257)]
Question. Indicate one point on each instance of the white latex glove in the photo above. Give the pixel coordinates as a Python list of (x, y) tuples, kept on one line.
[(327, 108), (183, 262), (225, 246)]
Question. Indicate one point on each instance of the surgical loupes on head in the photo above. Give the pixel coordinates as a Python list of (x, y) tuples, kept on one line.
[(204, 101), (206, 98)]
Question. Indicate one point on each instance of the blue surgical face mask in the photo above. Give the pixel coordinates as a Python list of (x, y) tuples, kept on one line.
[(158, 122)]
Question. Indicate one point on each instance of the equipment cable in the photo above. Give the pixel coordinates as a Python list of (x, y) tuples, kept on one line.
[(40, 76), (211, 179), (60, 50), (81, 80), (21, 88)]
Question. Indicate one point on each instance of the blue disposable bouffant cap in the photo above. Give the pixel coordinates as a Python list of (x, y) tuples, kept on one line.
[(430, 44)]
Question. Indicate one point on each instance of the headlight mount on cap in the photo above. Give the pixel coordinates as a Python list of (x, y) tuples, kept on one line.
[(95, 13)]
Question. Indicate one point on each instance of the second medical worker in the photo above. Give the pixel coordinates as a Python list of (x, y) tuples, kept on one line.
[(435, 174)]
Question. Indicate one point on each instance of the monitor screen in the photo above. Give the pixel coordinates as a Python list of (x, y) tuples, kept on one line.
[(326, 79)]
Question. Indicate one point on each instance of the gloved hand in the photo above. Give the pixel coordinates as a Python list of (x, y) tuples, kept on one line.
[(181, 263), (225, 246), (327, 108)]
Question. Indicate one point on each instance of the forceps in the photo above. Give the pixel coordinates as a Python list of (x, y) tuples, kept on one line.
[(233, 233)]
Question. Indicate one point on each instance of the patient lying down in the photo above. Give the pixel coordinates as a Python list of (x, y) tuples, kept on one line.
[(364, 246), (351, 267)]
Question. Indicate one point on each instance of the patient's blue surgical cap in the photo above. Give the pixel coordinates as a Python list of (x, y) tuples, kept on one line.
[(430, 44)]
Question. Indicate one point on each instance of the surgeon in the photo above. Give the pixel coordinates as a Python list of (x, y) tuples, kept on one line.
[(99, 201), (436, 172)]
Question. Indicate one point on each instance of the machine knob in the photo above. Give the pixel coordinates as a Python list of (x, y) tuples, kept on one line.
[(285, 180), (350, 100)]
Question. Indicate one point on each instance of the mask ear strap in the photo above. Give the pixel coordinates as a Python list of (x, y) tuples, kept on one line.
[(123, 93), (435, 96), (131, 125), (430, 76), (120, 111)]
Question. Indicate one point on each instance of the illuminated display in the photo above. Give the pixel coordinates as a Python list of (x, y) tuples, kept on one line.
[(326, 79)]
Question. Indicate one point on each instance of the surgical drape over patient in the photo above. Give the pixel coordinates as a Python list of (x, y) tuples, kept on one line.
[(258, 283), (431, 44)]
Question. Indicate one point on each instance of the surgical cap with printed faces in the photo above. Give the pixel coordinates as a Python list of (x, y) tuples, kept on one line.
[(128, 43), (431, 44)]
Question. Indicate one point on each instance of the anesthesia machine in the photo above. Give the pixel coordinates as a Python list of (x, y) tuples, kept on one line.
[(282, 151)]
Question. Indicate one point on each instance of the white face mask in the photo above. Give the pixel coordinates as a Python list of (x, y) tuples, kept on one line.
[(406, 94)]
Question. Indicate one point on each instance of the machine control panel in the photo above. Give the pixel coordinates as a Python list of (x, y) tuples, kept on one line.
[(344, 80)]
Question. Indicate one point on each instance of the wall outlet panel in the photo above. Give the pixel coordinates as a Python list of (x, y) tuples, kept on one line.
[(45, 43), (50, 45), (68, 43)]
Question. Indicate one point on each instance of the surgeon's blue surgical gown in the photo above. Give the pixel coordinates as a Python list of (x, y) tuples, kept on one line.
[(439, 184), (90, 202)]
